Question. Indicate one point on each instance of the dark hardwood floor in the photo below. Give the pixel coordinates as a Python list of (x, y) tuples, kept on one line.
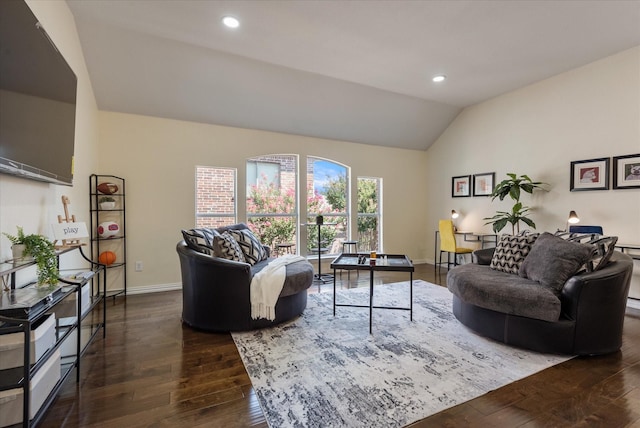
[(153, 371)]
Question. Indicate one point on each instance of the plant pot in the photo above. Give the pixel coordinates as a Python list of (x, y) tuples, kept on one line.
[(17, 251), (107, 205)]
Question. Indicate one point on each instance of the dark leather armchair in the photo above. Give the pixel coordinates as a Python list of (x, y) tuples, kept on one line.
[(593, 306), (216, 292)]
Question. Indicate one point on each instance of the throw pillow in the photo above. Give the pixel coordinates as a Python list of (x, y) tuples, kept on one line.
[(511, 252), (603, 248), (553, 260), (196, 240), (209, 235), (251, 247), (225, 246)]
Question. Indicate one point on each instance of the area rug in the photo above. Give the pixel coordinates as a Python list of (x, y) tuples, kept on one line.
[(326, 371)]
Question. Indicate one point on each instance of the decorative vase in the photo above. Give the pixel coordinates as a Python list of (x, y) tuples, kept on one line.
[(107, 205), (17, 251)]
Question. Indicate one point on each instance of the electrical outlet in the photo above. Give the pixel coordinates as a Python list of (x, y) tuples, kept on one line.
[(138, 266)]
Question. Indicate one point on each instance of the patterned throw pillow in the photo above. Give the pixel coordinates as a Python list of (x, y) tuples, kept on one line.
[(197, 241), (511, 252), (251, 247), (604, 247), (226, 247)]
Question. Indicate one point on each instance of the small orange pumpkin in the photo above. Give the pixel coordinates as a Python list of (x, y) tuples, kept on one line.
[(107, 257)]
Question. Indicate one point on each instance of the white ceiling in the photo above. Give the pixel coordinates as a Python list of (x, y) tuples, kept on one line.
[(347, 70)]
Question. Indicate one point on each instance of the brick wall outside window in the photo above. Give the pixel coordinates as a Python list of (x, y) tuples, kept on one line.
[(215, 194)]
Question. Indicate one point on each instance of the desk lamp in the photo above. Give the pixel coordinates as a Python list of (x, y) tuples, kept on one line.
[(573, 219), (454, 215)]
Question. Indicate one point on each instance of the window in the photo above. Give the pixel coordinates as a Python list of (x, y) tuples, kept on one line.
[(263, 172), (327, 195), (215, 196), (272, 197), (369, 214)]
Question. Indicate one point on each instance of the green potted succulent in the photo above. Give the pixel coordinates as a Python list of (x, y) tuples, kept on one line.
[(513, 187), (43, 252), (107, 203)]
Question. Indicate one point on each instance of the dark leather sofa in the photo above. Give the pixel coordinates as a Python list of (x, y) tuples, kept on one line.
[(216, 291), (592, 309)]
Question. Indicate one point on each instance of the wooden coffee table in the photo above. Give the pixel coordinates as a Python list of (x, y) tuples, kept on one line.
[(394, 262)]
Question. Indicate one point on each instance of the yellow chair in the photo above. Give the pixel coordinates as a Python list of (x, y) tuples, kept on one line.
[(448, 243)]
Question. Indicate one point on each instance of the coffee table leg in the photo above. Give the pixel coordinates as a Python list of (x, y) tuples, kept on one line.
[(334, 292), (370, 300), (411, 296)]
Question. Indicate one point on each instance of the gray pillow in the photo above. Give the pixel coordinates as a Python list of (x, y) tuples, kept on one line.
[(553, 260), (604, 247)]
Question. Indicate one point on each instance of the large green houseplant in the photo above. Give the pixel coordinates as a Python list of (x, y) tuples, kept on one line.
[(43, 252), (513, 187)]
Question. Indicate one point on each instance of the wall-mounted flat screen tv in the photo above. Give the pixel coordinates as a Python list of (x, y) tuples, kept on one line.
[(37, 99)]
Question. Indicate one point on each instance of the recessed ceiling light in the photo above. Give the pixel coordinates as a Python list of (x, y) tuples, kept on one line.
[(231, 22), (439, 78)]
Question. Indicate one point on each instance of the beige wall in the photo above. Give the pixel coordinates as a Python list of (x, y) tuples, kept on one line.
[(158, 157), (590, 112), (35, 205), (586, 113)]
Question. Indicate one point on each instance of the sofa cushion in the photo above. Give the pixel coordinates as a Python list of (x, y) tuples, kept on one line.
[(251, 247), (225, 246), (299, 276), (553, 260), (197, 241), (488, 288), (511, 252)]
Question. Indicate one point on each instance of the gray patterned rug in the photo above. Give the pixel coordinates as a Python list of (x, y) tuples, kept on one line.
[(321, 371)]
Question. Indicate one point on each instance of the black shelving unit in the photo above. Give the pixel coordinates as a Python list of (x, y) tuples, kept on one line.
[(116, 243), (21, 318)]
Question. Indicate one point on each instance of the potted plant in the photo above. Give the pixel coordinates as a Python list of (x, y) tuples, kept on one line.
[(107, 203), (43, 252), (513, 187), (17, 244)]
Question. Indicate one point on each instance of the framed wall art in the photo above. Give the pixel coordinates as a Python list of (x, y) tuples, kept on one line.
[(483, 183), (626, 172), (461, 186), (592, 174)]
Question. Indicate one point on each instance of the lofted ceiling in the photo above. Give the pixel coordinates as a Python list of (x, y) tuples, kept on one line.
[(346, 70)]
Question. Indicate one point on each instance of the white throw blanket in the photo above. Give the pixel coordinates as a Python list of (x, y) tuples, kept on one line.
[(267, 284)]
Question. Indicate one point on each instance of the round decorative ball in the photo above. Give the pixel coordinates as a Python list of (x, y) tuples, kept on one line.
[(108, 229), (107, 188), (107, 257)]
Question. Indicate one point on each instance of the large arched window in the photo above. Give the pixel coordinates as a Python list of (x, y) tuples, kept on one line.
[(272, 197), (328, 196)]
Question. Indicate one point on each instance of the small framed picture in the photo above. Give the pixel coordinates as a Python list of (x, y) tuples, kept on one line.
[(626, 172), (592, 174), (483, 183), (461, 186)]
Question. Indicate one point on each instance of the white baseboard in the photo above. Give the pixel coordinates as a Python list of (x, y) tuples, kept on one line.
[(633, 303), (157, 288)]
